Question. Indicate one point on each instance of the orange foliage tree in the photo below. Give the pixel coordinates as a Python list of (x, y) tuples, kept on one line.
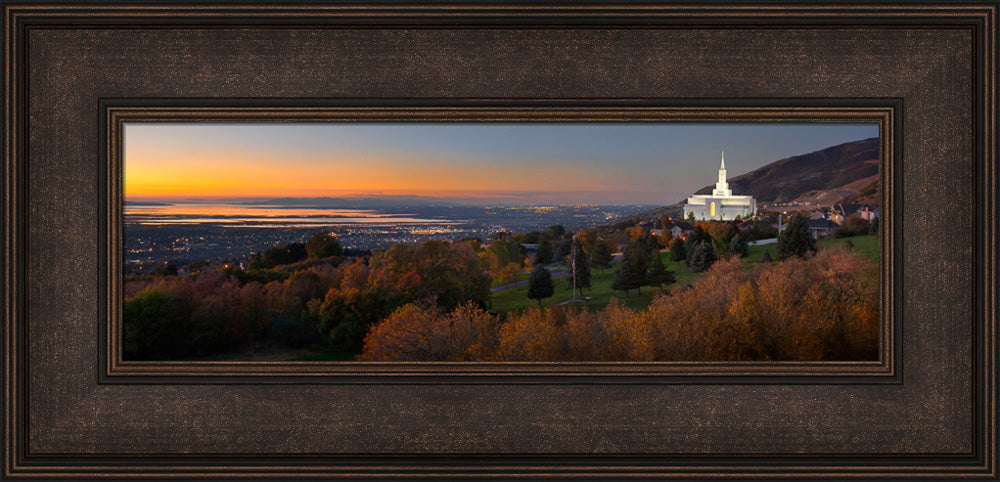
[(822, 307)]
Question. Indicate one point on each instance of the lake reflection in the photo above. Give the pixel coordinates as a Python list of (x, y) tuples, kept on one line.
[(261, 215)]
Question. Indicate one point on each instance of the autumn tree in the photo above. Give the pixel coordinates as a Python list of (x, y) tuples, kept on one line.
[(279, 255), (820, 308), (540, 284), (425, 332), (157, 326), (854, 225), (588, 240), (722, 234), (323, 245)]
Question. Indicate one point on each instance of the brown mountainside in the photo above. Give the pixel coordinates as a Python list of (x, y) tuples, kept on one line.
[(822, 177)]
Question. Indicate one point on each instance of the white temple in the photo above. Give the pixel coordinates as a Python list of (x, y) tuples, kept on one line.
[(721, 205)]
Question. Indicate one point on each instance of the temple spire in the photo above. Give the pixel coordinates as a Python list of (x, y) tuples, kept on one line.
[(723, 160)]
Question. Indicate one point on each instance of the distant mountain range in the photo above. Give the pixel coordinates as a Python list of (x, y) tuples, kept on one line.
[(823, 177)]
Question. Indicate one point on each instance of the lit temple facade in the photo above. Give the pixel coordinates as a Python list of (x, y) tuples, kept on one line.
[(721, 205)]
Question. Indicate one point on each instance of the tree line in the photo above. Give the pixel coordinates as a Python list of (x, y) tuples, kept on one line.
[(297, 295), (821, 306)]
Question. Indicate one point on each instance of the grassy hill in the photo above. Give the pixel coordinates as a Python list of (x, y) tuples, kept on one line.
[(600, 292)]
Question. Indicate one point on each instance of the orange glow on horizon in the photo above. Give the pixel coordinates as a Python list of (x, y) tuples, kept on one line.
[(152, 177)]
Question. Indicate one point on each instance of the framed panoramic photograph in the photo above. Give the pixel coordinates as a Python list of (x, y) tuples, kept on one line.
[(486, 240), (501, 242)]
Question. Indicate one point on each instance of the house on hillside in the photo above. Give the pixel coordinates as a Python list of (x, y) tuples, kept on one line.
[(821, 228), (676, 230), (843, 211)]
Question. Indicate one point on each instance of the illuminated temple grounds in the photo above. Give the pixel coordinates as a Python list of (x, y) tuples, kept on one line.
[(721, 205)]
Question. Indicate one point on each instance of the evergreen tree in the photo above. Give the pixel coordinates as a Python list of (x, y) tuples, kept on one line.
[(677, 251), (562, 251), (540, 284), (766, 258), (873, 226), (795, 240), (694, 239), (626, 276), (638, 254), (545, 251), (702, 257), (602, 256), (580, 270), (738, 247), (659, 275)]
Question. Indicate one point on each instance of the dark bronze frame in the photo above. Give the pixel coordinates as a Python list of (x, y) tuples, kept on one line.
[(119, 371), (72, 406)]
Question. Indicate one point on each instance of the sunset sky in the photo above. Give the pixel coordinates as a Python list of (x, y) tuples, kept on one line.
[(544, 163)]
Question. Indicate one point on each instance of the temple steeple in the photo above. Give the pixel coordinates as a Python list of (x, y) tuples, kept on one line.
[(722, 187)]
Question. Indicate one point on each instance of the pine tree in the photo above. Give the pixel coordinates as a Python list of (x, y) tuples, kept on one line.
[(626, 277), (677, 252), (738, 247), (659, 275), (602, 256), (545, 251), (637, 253), (562, 251), (702, 257), (795, 240), (694, 239), (766, 258), (580, 270), (540, 284)]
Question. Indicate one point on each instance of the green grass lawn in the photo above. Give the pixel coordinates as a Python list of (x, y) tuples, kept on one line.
[(600, 291), (867, 245)]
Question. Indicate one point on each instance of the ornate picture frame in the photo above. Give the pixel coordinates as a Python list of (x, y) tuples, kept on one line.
[(74, 72)]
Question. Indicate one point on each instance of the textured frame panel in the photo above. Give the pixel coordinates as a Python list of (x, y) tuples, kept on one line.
[(61, 421)]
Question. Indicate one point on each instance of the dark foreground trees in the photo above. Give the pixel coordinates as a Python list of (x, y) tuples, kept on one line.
[(795, 239), (326, 302), (540, 284)]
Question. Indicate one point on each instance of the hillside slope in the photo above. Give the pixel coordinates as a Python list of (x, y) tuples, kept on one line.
[(822, 177)]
